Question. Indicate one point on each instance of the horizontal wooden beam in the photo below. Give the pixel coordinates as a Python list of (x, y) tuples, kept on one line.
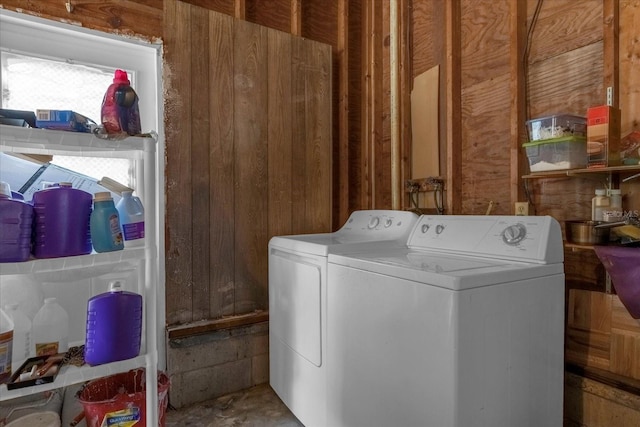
[(212, 325)]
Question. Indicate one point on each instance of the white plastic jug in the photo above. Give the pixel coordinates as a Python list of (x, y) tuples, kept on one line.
[(50, 331), (131, 214), (6, 344), (21, 335)]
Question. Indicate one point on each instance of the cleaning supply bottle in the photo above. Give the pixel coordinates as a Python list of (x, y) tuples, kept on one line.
[(16, 219), (106, 232), (50, 329), (598, 204), (21, 335), (120, 113), (131, 214), (614, 212), (114, 326), (6, 345), (61, 222)]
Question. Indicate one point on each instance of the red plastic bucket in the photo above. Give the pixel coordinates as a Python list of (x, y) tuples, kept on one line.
[(120, 400)]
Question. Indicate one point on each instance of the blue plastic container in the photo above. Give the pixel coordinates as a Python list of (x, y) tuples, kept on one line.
[(114, 326), (16, 218), (106, 231), (61, 222)]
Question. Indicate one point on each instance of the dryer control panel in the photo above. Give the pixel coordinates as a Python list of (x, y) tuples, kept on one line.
[(388, 224), (525, 238)]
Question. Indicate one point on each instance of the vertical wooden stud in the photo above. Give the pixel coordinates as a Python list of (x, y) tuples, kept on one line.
[(611, 31), (453, 106), (517, 32)]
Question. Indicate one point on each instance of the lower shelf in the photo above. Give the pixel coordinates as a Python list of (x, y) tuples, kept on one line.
[(70, 375)]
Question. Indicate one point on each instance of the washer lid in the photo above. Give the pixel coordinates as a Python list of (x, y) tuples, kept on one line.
[(444, 270), (388, 228)]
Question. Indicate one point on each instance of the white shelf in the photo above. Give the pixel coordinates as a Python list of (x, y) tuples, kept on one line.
[(70, 375), (42, 141), (15, 139), (58, 268)]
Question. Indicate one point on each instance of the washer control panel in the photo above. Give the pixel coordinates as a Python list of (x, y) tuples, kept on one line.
[(381, 223), (530, 238)]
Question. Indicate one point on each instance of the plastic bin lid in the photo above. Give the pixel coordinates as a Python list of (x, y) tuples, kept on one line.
[(571, 138), (572, 116)]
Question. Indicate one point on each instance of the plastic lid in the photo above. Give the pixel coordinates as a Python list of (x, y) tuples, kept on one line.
[(115, 286), (121, 77), (600, 191), (5, 189), (615, 191), (65, 184), (101, 196), (127, 193), (49, 300)]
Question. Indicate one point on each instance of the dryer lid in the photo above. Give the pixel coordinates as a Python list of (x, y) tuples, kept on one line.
[(388, 228)]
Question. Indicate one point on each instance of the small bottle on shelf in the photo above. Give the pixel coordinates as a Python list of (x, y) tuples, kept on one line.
[(598, 204), (614, 212), (106, 231)]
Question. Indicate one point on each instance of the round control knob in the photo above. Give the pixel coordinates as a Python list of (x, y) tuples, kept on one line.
[(373, 222), (514, 234), (425, 228), (439, 228), (388, 223)]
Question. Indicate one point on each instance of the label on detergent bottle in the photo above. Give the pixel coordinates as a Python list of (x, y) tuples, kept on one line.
[(114, 227), (6, 342), (133, 231), (123, 418)]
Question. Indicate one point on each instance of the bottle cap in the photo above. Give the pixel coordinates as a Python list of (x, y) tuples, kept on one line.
[(615, 191), (5, 189), (600, 191), (115, 286), (101, 196), (121, 77)]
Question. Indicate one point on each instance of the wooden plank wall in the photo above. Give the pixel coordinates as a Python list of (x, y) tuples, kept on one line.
[(473, 42), (248, 130)]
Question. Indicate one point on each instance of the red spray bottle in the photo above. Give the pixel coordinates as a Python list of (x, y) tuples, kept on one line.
[(120, 112)]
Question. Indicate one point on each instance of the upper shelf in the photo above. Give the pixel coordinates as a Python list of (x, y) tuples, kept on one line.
[(577, 172), (42, 141), (64, 268)]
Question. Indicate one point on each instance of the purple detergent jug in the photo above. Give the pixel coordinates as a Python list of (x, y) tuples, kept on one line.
[(16, 219), (61, 224), (114, 326)]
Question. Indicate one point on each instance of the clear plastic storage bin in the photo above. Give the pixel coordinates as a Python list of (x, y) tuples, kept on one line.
[(556, 126), (558, 153)]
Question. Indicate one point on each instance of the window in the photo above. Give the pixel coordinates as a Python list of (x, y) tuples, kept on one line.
[(47, 66)]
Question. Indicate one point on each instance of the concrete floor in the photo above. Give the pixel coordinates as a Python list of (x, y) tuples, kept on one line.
[(256, 407)]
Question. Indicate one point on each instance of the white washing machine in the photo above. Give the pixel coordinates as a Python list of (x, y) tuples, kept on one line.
[(297, 304), (463, 327)]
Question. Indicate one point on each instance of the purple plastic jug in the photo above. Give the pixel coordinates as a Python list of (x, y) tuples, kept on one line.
[(61, 223), (114, 326), (16, 219)]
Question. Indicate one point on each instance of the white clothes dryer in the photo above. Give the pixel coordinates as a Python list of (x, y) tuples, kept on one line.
[(463, 327), (297, 303)]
